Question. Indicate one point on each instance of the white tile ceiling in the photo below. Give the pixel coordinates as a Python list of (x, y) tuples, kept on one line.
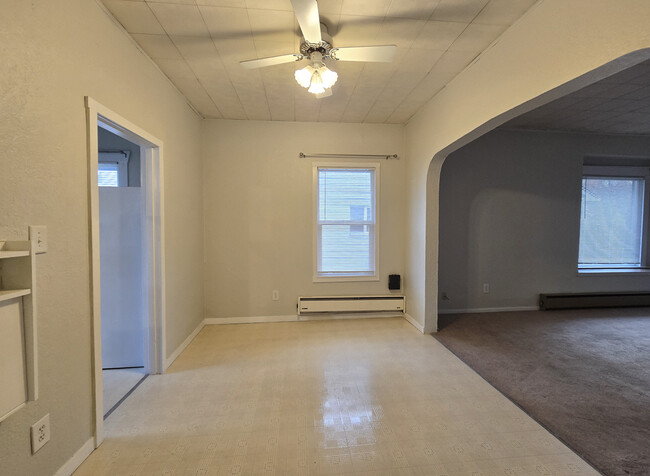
[(198, 44), (619, 104)]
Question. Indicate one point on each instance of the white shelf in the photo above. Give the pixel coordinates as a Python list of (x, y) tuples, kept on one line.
[(13, 254), (6, 294), (18, 334)]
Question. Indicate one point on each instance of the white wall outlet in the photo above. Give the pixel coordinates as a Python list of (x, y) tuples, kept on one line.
[(40, 433), (38, 234), (486, 288), (275, 295)]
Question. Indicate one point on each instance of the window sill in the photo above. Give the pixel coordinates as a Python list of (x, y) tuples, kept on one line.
[(338, 279), (613, 271)]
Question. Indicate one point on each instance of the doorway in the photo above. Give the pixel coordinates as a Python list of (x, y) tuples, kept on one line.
[(121, 245), (127, 260)]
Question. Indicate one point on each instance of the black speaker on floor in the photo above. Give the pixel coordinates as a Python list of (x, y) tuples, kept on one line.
[(394, 282)]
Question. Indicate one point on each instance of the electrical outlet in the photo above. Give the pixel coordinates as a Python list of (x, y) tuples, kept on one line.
[(276, 295), (40, 433), (38, 234), (486, 288)]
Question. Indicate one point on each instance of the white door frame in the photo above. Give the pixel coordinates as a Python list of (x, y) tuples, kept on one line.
[(151, 158)]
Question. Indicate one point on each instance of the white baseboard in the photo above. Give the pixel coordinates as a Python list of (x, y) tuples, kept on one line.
[(79, 457), (488, 309), (296, 318), (411, 320), (249, 319), (170, 360)]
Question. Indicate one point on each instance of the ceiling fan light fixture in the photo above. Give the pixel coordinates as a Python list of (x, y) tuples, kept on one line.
[(316, 86), (328, 76), (303, 76)]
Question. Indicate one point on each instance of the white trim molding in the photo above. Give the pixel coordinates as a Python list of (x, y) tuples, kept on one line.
[(77, 458), (477, 310), (296, 318), (411, 320), (179, 350), (99, 115)]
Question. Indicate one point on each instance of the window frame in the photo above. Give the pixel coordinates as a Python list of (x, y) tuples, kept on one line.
[(617, 171), (121, 158), (316, 166)]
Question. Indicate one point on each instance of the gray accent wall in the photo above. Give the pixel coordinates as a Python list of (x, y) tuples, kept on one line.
[(510, 217)]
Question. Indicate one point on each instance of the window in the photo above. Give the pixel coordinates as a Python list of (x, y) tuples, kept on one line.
[(613, 218), (112, 169), (345, 222)]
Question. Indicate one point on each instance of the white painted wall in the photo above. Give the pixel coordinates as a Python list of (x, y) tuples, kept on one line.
[(510, 217), (121, 255), (259, 211), (554, 43), (55, 52)]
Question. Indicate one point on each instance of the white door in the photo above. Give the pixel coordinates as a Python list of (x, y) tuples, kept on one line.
[(120, 232)]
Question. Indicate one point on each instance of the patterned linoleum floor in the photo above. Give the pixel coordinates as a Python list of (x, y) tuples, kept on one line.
[(368, 396)]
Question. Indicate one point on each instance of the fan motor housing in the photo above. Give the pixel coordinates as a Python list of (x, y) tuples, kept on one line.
[(324, 47)]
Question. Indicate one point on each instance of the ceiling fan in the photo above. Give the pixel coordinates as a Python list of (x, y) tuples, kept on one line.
[(316, 47)]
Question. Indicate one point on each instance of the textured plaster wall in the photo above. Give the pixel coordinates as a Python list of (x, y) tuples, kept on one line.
[(259, 211), (554, 43), (54, 52), (510, 217)]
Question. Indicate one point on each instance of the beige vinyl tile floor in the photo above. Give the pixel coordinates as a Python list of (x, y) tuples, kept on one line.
[(368, 397), (117, 383)]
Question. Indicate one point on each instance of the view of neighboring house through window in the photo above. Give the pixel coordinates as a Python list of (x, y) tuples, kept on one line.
[(613, 217), (346, 241)]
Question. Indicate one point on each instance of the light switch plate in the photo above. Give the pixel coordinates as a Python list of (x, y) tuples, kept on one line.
[(38, 234)]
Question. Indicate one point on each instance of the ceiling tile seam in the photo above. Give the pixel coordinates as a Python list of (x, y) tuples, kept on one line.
[(428, 72), (443, 86), (124, 31), (266, 94), (480, 11), (184, 60), (356, 83), (224, 68), (409, 18)]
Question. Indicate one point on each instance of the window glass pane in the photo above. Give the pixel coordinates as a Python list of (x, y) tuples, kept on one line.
[(108, 175), (345, 251), (611, 221), (345, 194), (346, 222)]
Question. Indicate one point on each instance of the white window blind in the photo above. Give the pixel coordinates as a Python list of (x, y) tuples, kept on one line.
[(108, 174), (346, 224), (112, 169), (611, 222)]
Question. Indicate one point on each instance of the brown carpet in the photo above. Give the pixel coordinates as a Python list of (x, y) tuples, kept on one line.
[(583, 374)]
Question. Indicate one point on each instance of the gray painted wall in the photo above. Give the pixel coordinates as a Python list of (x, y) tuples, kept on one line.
[(510, 217)]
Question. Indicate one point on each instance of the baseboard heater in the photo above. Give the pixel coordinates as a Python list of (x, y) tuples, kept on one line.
[(591, 300), (344, 304)]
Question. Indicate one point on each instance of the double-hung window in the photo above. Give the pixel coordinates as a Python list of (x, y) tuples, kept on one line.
[(614, 218), (346, 225), (112, 169)]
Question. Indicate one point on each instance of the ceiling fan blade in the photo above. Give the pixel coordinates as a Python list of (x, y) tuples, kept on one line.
[(307, 15), (270, 61), (381, 54), (327, 93)]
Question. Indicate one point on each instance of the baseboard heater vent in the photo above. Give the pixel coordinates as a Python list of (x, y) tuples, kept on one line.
[(591, 300), (343, 304)]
